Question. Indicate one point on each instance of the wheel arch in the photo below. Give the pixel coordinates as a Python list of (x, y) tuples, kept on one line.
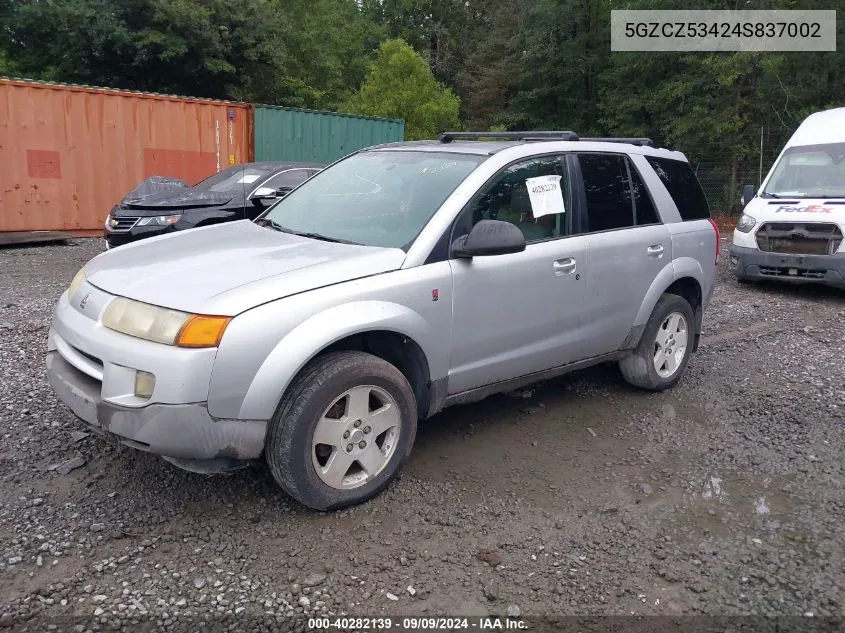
[(400, 350), (683, 277), (387, 330)]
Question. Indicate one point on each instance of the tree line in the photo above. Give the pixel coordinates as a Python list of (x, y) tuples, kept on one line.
[(438, 64)]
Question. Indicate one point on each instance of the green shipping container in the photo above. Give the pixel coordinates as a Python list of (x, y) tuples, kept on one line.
[(323, 137)]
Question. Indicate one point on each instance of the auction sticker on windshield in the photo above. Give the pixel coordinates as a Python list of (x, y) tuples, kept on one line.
[(545, 195)]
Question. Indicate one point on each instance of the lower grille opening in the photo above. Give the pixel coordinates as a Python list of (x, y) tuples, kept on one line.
[(93, 359), (779, 271), (96, 361), (796, 238)]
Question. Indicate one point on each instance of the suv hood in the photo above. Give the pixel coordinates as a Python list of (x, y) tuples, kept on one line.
[(797, 210), (154, 184), (225, 269), (172, 197)]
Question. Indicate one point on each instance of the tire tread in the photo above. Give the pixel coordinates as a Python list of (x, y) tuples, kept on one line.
[(279, 446), (637, 368)]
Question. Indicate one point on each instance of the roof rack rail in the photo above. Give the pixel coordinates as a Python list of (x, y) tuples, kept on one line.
[(536, 135), (645, 142)]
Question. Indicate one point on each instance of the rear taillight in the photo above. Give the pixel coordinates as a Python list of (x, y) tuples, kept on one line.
[(718, 239)]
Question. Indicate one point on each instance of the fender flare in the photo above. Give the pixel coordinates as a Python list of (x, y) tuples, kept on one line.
[(672, 272), (210, 218), (289, 356), (663, 280)]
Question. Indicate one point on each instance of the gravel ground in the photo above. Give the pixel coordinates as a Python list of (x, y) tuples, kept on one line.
[(723, 496)]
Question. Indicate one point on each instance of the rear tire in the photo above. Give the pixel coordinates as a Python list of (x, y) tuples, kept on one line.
[(660, 358), (343, 430)]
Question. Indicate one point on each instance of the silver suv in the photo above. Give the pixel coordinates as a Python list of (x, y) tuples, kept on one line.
[(403, 279)]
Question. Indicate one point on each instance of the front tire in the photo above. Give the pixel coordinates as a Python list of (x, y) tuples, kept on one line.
[(343, 430), (660, 358)]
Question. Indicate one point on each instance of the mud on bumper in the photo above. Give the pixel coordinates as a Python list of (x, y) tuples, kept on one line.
[(751, 263), (183, 434)]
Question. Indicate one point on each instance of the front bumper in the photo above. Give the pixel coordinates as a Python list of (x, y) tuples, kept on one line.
[(752, 263), (92, 369), (180, 431)]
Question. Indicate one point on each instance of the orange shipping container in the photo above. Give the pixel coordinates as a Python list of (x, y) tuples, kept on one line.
[(70, 153)]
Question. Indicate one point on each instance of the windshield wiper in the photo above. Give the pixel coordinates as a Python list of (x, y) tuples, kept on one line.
[(766, 194), (314, 236), (272, 224), (320, 236)]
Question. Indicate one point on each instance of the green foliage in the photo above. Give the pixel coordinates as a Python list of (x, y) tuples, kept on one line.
[(491, 78), (515, 64), (310, 53), (565, 46), (400, 85), (6, 67), (437, 29)]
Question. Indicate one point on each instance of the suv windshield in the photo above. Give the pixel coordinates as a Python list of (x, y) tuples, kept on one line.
[(376, 198), (231, 180), (810, 171)]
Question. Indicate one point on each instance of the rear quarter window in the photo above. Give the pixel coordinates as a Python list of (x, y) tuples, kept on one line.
[(679, 179)]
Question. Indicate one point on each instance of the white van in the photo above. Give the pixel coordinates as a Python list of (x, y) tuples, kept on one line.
[(791, 229)]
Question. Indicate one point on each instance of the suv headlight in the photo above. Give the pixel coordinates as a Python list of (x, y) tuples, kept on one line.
[(160, 220), (163, 325), (110, 221), (746, 223), (77, 280)]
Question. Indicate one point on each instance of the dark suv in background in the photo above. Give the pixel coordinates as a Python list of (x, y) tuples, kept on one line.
[(161, 205)]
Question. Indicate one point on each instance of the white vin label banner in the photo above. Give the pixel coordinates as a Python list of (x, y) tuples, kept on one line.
[(714, 31)]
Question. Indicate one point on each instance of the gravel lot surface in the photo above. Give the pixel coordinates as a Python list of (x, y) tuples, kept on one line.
[(722, 496)]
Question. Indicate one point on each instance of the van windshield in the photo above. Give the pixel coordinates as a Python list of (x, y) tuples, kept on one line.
[(809, 171), (376, 198)]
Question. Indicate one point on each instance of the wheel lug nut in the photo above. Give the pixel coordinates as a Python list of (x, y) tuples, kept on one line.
[(346, 435), (357, 423), (349, 448), (362, 444), (367, 429)]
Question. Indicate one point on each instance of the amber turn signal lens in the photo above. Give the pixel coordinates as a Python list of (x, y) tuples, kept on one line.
[(202, 331)]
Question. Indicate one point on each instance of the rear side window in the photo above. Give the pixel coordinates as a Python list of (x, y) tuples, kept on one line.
[(683, 186), (607, 191), (616, 195), (290, 178), (643, 206)]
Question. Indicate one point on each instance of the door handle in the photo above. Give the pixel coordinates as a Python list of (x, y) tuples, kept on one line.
[(564, 266), (655, 251)]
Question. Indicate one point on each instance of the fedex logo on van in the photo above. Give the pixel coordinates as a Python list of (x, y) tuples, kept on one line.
[(813, 208)]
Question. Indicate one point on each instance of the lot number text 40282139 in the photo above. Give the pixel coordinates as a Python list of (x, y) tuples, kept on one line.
[(484, 623)]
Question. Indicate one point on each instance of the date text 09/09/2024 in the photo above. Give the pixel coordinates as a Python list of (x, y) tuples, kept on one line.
[(482, 623)]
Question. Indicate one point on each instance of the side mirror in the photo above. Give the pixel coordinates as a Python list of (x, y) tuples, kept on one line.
[(748, 193), (263, 195), (263, 192), (489, 237)]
